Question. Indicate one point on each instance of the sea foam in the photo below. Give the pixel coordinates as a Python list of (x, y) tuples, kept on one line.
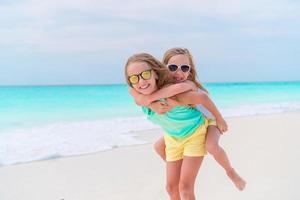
[(85, 137), (66, 139)]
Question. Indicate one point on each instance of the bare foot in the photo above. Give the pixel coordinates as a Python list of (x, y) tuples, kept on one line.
[(236, 179)]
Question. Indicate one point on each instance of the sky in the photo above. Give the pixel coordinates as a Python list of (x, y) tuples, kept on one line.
[(58, 42)]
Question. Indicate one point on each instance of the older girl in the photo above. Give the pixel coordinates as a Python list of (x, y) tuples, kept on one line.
[(184, 126), (182, 68)]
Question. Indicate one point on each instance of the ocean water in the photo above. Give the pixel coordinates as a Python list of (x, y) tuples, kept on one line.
[(44, 122)]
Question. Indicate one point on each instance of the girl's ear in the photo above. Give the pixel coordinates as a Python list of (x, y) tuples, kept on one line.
[(155, 75)]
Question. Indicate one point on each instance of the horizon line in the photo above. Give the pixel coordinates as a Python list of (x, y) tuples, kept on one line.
[(112, 84)]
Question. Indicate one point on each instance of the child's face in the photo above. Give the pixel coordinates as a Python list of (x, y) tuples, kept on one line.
[(143, 77), (179, 60)]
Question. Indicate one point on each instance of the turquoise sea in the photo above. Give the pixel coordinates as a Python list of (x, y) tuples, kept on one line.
[(42, 122)]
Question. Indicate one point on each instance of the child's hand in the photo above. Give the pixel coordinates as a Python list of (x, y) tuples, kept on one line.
[(160, 107), (172, 102), (222, 125)]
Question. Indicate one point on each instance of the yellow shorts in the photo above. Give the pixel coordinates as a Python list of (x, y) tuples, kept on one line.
[(192, 145), (212, 122)]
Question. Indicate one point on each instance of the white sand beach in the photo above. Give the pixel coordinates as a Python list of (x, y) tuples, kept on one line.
[(263, 149)]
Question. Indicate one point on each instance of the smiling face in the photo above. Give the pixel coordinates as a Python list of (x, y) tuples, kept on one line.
[(142, 86), (179, 60)]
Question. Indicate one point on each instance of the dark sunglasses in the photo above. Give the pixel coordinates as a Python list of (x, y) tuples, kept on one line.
[(134, 79), (183, 68)]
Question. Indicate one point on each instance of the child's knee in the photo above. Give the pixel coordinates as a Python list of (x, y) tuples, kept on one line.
[(159, 146), (212, 147), (172, 188), (185, 188)]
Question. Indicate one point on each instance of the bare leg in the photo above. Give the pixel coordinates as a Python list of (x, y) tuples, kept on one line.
[(160, 147), (173, 176), (213, 147), (189, 170)]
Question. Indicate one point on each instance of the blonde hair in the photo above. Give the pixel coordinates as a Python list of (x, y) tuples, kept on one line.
[(183, 51), (159, 68)]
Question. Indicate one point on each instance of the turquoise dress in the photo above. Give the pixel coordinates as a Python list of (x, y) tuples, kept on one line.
[(179, 122)]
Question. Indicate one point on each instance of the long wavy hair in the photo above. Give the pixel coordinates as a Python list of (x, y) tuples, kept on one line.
[(159, 68), (183, 51)]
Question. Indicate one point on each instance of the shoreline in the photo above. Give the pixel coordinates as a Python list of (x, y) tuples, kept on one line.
[(261, 148), (141, 135)]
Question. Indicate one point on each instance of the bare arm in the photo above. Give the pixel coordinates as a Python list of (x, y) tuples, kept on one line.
[(159, 107), (202, 98), (136, 96), (169, 91)]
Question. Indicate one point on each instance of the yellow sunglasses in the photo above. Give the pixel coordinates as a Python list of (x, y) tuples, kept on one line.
[(134, 79)]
